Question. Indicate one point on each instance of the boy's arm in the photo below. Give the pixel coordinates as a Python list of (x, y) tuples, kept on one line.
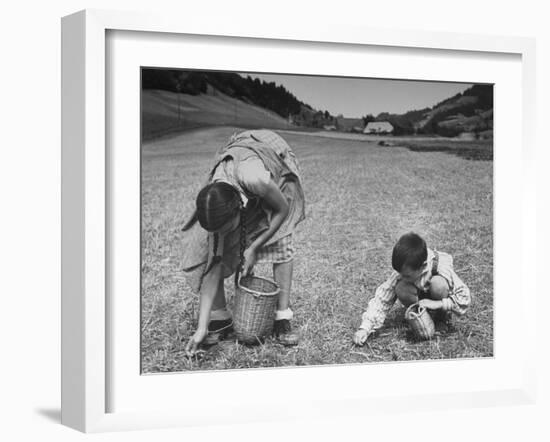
[(459, 294), (379, 305)]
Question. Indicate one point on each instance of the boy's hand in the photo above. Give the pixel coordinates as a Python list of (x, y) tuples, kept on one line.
[(360, 336), (430, 304)]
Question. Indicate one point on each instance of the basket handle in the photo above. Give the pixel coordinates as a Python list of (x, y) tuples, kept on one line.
[(238, 277), (415, 314), (256, 295)]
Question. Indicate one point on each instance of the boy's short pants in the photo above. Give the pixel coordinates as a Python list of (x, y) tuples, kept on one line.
[(422, 294)]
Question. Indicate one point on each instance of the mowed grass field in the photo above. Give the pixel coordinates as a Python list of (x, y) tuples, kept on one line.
[(360, 198)]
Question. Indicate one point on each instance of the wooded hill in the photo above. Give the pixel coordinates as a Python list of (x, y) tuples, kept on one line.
[(253, 91), (469, 111)]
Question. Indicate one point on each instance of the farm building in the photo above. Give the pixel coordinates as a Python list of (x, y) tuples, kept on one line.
[(347, 124), (378, 127)]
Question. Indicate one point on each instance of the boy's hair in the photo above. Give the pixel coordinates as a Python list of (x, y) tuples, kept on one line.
[(410, 250)]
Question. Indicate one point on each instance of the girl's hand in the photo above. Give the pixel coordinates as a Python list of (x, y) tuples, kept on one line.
[(360, 337), (430, 304), (249, 260), (194, 341)]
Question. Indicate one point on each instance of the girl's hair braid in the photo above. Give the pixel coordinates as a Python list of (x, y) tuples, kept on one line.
[(242, 241), (217, 259), (194, 218)]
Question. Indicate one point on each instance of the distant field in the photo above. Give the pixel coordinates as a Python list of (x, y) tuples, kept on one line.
[(470, 150), (360, 198)]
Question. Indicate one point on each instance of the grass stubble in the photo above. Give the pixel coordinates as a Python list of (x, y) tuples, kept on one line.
[(360, 198)]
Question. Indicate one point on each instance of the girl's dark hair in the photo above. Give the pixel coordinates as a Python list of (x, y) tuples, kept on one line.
[(217, 203), (410, 250)]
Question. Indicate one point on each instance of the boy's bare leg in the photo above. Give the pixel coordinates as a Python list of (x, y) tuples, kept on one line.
[(406, 292), (439, 288)]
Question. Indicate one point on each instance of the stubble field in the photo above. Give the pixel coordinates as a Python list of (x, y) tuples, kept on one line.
[(360, 197)]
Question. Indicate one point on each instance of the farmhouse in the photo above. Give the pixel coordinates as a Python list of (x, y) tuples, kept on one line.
[(347, 124), (378, 127)]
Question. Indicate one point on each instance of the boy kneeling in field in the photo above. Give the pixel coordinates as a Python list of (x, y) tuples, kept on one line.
[(421, 276)]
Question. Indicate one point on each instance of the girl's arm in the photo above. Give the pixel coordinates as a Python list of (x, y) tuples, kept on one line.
[(274, 198)]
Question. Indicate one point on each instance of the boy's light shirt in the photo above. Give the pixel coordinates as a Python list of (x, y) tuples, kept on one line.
[(458, 301)]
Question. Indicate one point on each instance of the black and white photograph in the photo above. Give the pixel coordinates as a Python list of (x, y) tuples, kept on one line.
[(293, 220)]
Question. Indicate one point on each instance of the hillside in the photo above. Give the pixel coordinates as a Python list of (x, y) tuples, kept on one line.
[(160, 112), (261, 93), (468, 112)]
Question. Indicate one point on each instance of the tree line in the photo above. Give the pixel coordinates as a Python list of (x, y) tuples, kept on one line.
[(254, 91)]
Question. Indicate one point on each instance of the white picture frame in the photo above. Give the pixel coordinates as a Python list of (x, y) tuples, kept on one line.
[(86, 313)]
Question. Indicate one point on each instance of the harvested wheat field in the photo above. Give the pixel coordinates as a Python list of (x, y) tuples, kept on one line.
[(360, 198)]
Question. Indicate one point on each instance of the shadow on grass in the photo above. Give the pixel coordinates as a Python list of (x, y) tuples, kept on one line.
[(468, 153), (476, 151)]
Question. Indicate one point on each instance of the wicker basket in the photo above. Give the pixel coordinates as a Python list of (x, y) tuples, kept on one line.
[(254, 309), (420, 321)]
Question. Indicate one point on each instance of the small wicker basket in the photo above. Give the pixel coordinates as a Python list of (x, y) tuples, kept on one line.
[(254, 308), (420, 321)]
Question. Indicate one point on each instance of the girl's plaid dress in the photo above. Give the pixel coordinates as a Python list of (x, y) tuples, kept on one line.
[(246, 162)]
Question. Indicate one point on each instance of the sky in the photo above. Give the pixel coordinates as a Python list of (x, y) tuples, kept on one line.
[(356, 97)]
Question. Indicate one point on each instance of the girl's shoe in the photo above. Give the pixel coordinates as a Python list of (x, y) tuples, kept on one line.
[(218, 330), (284, 334)]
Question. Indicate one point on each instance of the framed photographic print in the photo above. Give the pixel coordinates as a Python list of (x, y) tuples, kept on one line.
[(263, 210)]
